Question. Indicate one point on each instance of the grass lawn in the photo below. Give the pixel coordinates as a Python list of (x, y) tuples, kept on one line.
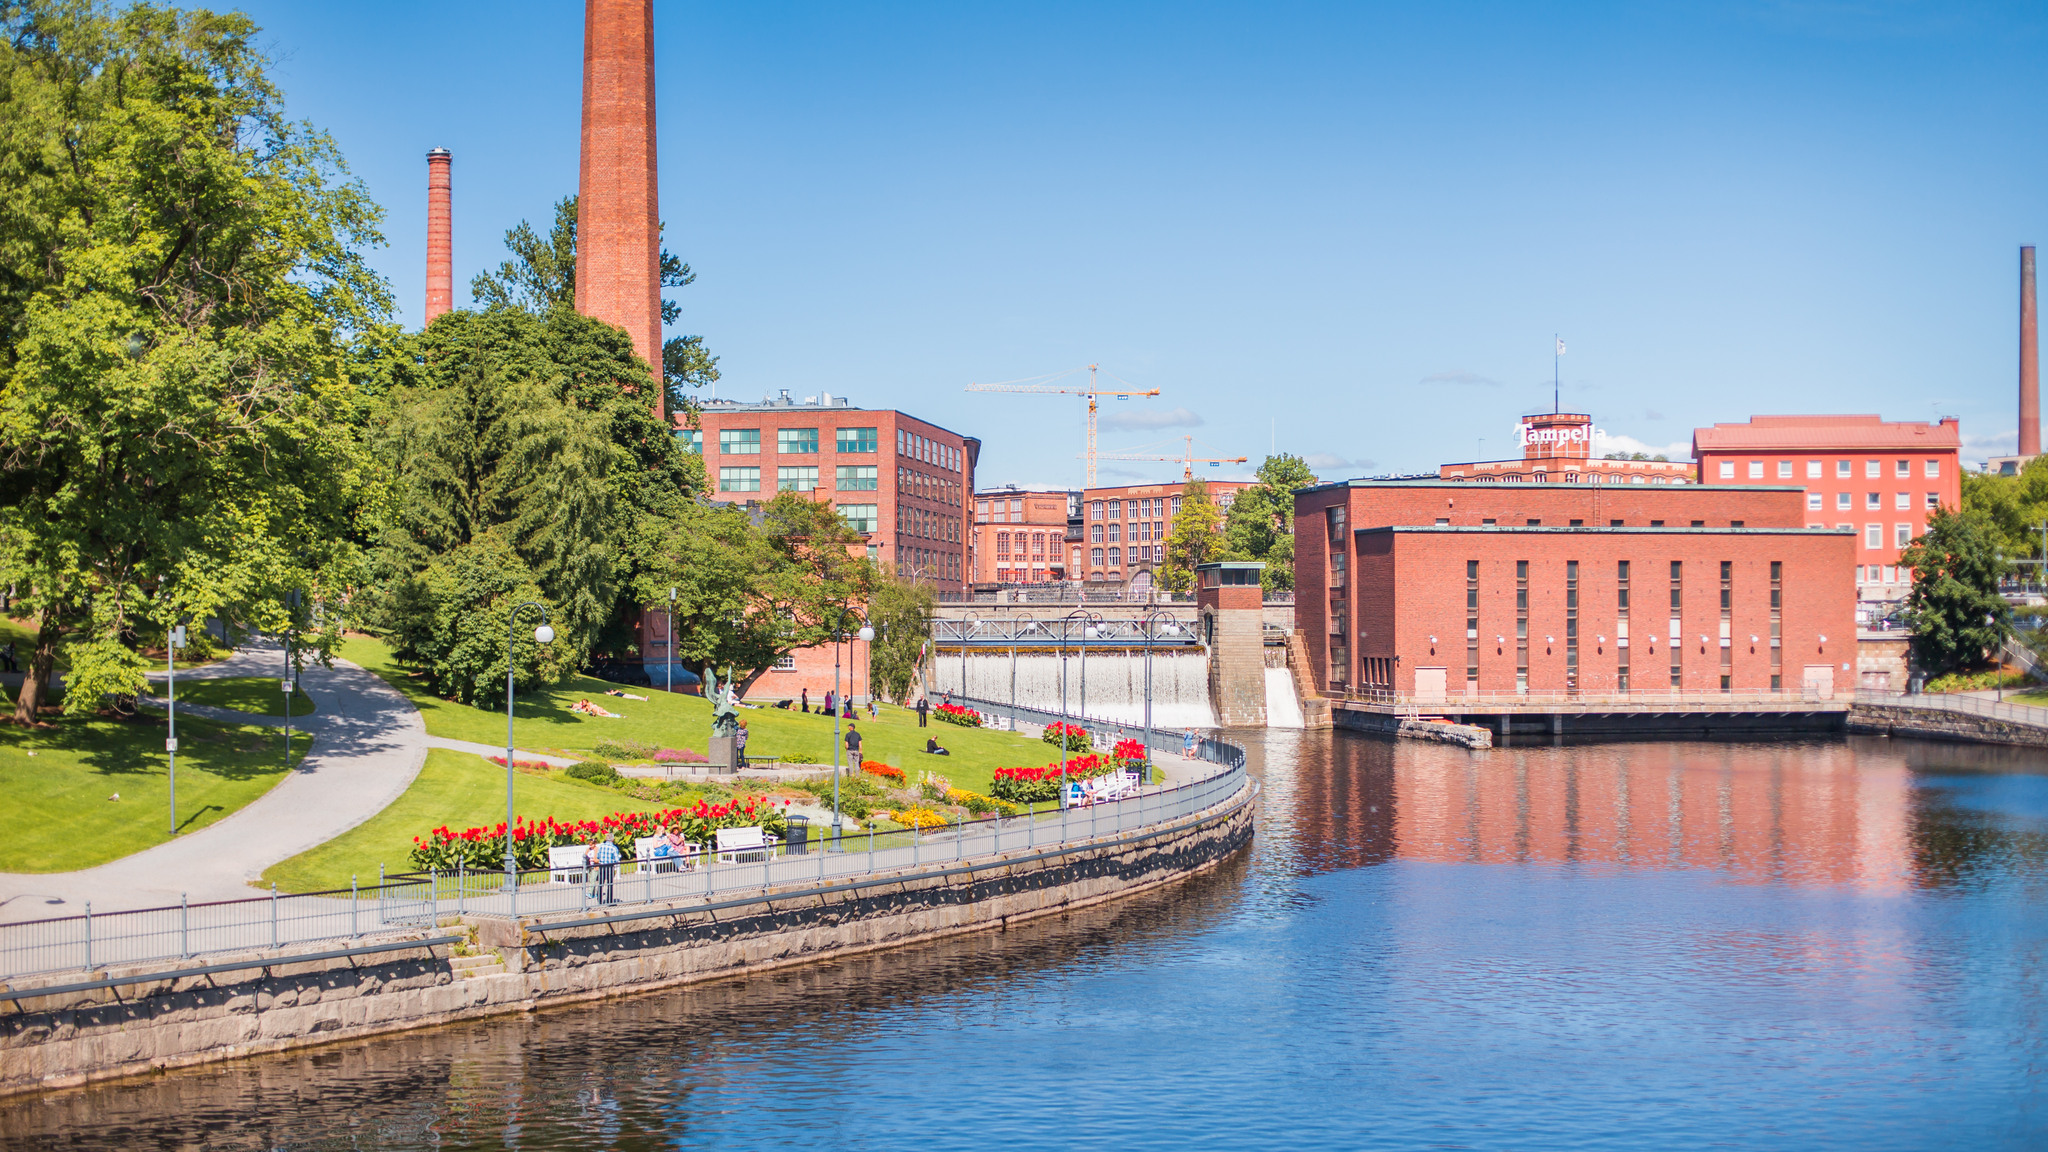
[(55, 785), (456, 789), (544, 723), (257, 694)]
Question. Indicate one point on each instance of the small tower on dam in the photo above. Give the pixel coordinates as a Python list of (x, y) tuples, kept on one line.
[(1232, 611)]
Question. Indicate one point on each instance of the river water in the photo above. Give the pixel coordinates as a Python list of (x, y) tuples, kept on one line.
[(1788, 945)]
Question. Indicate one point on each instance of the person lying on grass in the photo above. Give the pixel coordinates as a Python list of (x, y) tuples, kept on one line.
[(589, 709)]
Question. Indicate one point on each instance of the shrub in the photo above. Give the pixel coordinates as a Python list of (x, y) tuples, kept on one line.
[(934, 786), (679, 756), (885, 771), (540, 764), (956, 714), (610, 749), (1077, 738), (595, 771), (919, 818), (1040, 785)]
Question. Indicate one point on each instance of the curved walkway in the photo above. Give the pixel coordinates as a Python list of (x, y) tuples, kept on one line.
[(368, 745)]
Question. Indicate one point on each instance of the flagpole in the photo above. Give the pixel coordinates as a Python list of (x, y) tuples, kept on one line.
[(1555, 405)]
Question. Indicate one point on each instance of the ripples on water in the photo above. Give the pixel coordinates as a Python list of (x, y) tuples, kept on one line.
[(1608, 946)]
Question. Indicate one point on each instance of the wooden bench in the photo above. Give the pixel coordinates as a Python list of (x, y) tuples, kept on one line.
[(566, 866), (737, 844), (644, 854)]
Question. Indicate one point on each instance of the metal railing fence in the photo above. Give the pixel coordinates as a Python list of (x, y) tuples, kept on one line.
[(1000, 630), (1635, 699), (1107, 732), (411, 901), (1949, 702)]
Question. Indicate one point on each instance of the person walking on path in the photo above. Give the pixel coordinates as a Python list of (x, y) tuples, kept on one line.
[(7, 657), (853, 745), (606, 855), (923, 709), (830, 700), (806, 706)]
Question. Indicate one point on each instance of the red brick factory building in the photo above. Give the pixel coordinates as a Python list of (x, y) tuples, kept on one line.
[(1438, 590)]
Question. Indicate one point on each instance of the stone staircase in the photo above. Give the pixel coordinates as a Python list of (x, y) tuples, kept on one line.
[(481, 964)]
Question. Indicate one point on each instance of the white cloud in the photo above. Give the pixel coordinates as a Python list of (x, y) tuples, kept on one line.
[(1615, 442), (1460, 377), (1324, 460), (1148, 419)]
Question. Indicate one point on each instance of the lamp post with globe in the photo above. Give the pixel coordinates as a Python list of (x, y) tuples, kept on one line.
[(1152, 622), (866, 633), (541, 635)]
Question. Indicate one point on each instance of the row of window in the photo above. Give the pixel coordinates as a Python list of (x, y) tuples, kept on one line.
[(1873, 534), (927, 563), (1144, 554), (928, 450), (1033, 575), (927, 524), (1140, 530), (938, 488), (1902, 469), (1035, 539), (1872, 501), (1143, 508), (789, 441), (799, 478)]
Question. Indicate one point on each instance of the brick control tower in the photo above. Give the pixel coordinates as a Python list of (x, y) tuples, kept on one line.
[(1232, 608), (618, 217)]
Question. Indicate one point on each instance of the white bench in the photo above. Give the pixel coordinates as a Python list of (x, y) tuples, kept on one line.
[(679, 860), (566, 866), (735, 844)]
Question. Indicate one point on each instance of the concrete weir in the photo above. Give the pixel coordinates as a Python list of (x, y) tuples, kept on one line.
[(119, 1021)]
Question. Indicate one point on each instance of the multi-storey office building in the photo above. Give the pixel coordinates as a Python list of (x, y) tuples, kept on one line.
[(1124, 528), (1879, 478), (1020, 535), (1445, 588), (901, 481)]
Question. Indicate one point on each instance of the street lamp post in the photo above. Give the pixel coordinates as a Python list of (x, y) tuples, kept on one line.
[(291, 602), (867, 632), (1088, 628), (172, 641), (968, 627), (1152, 619), (669, 658), (541, 635), (1998, 677), (1016, 618)]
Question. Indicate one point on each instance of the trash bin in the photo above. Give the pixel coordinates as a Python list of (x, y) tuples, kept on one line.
[(798, 841)]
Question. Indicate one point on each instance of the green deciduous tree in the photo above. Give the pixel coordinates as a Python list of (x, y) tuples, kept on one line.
[(1192, 539), (180, 280), (901, 611), (1954, 609), (1261, 521)]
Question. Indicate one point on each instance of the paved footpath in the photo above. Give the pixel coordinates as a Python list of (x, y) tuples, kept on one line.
[(368, 745)]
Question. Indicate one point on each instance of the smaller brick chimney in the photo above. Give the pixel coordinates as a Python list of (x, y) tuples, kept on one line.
[(440, 244), (2030, 360)]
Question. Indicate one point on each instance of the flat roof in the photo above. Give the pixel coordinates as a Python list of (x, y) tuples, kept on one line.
[(1860, 432), (1625, 530), (1469, 485)]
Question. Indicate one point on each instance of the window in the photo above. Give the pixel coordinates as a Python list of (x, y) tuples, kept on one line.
[(1115, 557), (1904, 470), (1842, 501), (1727, 469), (1873, 535), (796, 441), (1116, 532), (785, 662), (902, 441), (1933, 501), (1902, 500), (739, 441), (1841, 469), (1002, 545), (1756, 469), (1656, 523), (739, 479), (1933, 469), (858, 440), (865, 517), (1873, 468), (1784, 469), (1873, 500), (1813, 469), (863, 478), (1095, 533), (1176, 505), (1902, 535), (802, 478), (1095, 557), (1621, 625), (1095, 510), (1813, 501), (691, 439), (1116, 509), (1522, 626)]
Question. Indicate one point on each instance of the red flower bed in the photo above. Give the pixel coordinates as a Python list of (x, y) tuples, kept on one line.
[(483, 848), (1074, 737), (1130, 748), (886, 771), (956, 714), (540, 764), (1038, 785)]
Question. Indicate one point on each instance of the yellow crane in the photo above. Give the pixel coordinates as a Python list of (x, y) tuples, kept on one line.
[(1187, 460), (1042, 385)]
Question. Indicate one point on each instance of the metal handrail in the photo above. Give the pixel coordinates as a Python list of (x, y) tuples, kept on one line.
[(2030, 714), (1452, 700)]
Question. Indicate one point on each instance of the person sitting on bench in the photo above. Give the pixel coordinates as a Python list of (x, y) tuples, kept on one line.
[(931, 746)]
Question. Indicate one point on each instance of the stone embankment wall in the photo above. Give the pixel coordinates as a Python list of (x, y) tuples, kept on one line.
[(67, 1038), (1940, 724)]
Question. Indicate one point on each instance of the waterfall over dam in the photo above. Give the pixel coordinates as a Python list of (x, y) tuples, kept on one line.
[(1114, 687)]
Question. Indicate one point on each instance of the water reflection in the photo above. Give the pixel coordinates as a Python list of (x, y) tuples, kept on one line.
[(1619, 945)]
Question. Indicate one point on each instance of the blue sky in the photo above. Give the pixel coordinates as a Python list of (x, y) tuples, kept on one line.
[(1347, 230)]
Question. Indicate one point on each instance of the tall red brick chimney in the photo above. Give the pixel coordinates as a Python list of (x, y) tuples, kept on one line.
[(2030, 360), (618, 219), (440, 245)]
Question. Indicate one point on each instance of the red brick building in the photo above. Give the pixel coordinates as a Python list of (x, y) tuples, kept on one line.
[(1020, 535), (1124, 529), (901, 481), (1878, 478), (1563, 448), (1445, 588)]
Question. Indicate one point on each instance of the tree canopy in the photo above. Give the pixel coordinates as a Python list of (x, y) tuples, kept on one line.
[(1192, 538), (1260, 525), (1954, 609), (180, 285)]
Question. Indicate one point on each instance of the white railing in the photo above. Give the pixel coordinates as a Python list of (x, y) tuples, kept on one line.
[(1634, 700), (1949, 702), (405, 903)]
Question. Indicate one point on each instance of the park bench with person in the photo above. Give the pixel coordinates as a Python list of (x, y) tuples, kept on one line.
[(740, 844)]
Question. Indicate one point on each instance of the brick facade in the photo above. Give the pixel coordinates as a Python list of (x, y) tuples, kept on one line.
[(1020, 536), (1124, 529), (1385, 593), (440, 238), (618, 222)]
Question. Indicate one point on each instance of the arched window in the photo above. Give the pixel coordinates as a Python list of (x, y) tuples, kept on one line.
[(1116, 557), (1095, 557)]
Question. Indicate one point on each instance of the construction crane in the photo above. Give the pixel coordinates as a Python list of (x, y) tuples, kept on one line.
[(1042, 385), (1187, 460)]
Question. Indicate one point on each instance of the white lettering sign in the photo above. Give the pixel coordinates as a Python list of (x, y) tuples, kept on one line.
[(1566, 434)]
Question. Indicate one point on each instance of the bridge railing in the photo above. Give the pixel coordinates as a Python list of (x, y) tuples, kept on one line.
[(1000, 630), (1106, 732)]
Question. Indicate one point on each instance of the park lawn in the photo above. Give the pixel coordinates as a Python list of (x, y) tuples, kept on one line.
[(457, 789), (258, 694), (58, 797), (544, 723)]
